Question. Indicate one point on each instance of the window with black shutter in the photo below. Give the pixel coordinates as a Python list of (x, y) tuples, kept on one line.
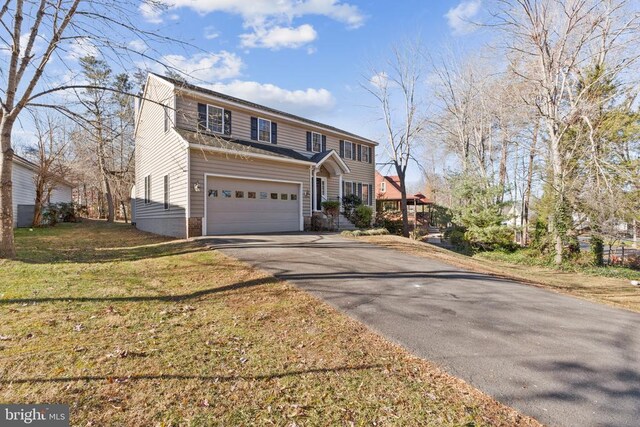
[(324, 142), (309, 148), (274, 133), (359, 152), (254, 128), (342, 148)]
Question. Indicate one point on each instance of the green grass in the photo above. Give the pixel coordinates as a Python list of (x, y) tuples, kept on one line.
[(134, 329)]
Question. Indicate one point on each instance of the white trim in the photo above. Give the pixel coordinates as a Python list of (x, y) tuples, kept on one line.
[(340, 162), (314, 199), (249, 154), (270, 131), (247, 178), (200, 94), (340, 190), (353, 149)]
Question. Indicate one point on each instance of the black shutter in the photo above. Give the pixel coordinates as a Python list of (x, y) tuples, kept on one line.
[(359, 152), (341, 148), (370, 154), (254, 128), (324, 142), (274, 133), (360, 190), (202, 116), (227, 122), (354, 152), (370, 203), (309, 148)]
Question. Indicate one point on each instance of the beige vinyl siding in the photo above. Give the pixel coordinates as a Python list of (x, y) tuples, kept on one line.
[(159, 153), (290, 134), (61, 194), (207, 162)]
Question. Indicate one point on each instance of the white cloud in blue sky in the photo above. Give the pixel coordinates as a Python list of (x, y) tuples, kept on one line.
[(460, 18), (279, 37)]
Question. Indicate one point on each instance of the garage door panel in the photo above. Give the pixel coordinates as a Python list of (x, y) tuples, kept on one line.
[(239, 214)]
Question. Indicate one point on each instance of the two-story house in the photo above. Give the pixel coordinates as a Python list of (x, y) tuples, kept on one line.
[(208, 163)]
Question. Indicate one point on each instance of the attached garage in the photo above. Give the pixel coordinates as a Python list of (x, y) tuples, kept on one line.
[(236, 205)]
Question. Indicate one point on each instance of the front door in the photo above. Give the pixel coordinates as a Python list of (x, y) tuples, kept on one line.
[(321, 192)]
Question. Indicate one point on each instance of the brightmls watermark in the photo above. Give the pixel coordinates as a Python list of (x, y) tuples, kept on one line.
[(34, 415)]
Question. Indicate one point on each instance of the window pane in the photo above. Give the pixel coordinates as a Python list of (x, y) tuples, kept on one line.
[(294, 197), (317, 142), (365, 194), (215, 119), (213, 193), (348, 153), (284, 196), (239, 194), (274, 196), (263, 195), (226, 194), (264, 130), (251, 195)]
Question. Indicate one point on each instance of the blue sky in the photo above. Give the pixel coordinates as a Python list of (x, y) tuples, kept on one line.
[(307, 57)]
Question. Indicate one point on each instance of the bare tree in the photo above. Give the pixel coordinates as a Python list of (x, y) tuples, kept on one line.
[(563, 38), (50, 154), (397, 88), (36, 32)]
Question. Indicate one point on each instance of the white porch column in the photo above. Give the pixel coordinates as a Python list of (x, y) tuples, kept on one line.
[(313, 192), (340, 190)]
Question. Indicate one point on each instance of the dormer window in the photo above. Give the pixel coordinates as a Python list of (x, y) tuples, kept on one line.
[(264, 130)]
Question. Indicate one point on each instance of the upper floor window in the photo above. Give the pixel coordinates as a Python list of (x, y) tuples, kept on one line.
[(264, 130), (383, 187), (366, 153), (215, 119), (166, 119), (348, 150), (316, 142)]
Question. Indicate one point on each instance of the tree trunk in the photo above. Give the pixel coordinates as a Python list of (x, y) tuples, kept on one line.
[(7, 246), (556, 162), (502, 177), (527, 194), (403, 202), (105, 184), (39, 202), (124, 211)]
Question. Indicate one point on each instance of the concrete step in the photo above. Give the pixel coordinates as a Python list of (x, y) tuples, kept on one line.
[(344, 224)]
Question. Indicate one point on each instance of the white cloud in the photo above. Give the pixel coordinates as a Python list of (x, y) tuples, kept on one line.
[(204, 67), (459, 17), (151, 13), (279, 37), (210, 33), (254, 11), (302, 102)]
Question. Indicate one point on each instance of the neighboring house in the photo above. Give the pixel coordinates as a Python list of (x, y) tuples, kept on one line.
[(24, 191), (389, 197), (208, 163)]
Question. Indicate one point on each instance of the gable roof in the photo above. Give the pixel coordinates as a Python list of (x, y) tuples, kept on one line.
[(184, 85), (393, 191)]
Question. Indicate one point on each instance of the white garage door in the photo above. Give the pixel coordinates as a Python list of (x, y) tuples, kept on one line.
[(240, 206)]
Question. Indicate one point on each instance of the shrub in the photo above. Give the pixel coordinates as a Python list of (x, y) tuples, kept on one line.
[(362, 216), (491, 238), (50, 215), (69, 212), (331, 207), (389, 221), (349, 203)]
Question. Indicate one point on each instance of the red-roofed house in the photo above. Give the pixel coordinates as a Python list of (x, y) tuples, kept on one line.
[(388, 196)]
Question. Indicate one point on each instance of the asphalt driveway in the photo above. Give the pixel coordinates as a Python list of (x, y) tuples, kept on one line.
[(562, 360)]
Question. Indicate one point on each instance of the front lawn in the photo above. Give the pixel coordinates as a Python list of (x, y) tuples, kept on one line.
[(134, 329)]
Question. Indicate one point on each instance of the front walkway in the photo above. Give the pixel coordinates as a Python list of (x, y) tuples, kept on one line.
[(562, 360)]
